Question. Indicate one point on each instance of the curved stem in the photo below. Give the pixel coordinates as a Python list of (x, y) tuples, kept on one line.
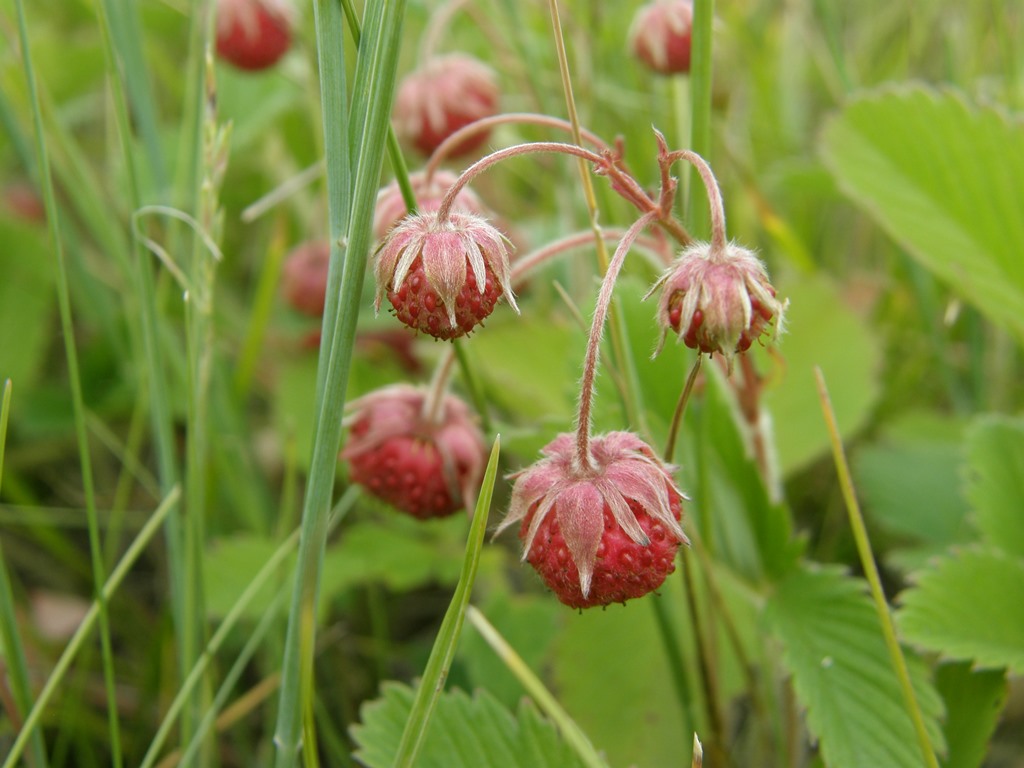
[(717, 209), (434, 400), (677, 417), (583, 461), (531, 261), (484, 163), (487, 123)]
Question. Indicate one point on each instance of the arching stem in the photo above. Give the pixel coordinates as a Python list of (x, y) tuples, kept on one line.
[(438, 387), (487, 123), (583, 461), (677, 417), (717, 209), (439, 21)]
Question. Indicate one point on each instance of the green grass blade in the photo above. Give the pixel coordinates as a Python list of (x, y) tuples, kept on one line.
[(374, 82), (571, 732), (75, 381), (447, 639), (10, 642), (238, 611), (77, 641)]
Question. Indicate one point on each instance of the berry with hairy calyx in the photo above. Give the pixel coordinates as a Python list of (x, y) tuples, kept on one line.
[(253, 34), (421, 463), (304, 277), (443, 276), (391, 206), (660, 35), (601, 533), (447, 93), (717, 302)]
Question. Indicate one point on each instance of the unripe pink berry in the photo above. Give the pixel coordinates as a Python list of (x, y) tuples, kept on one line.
[(304, 277), (717, 303), (391, 206), (600, 534), (660, 35), (449, 92), (420, 463), (253, 34), (443, 277)]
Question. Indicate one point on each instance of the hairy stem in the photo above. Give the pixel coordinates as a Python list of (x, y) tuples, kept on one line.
[(717, 208), (583, 461)]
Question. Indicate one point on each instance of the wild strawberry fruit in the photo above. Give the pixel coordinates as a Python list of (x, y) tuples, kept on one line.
[(304, 278), (717, 302), (422, 266), (253, 34), (428, 193), (419, 462), (448, 93), (660, 35), (600, 534)]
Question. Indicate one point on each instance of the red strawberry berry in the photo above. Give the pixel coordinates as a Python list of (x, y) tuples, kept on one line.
[(443, 277), (421, 464), (601, 534), (253, 34), (661, 35), (449, 92), (717, 302), (304, 278)]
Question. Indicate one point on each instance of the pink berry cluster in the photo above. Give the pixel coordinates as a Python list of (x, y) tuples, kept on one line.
[(599, 516)]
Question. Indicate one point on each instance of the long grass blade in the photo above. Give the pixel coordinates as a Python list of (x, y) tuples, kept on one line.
[(447, 639), (75, 382), (117, 576), (359, 152), (548, 704), (14, 654)]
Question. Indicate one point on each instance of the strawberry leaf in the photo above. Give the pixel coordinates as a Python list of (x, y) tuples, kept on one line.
[(466, 732), (943, 179), (974, 702), (996, 482), (977, 588), (833, 647)]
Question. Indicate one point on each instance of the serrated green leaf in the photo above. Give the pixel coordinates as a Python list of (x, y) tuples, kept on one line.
[(974, 701), (943, 178), (833, 647), (821, 331), (995, 456), (969, 607), (466, 732)]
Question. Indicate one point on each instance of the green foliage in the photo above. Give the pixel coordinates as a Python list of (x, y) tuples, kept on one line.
[(968, 606), (974, 699), (943, 178), (995, 482), (26, 302), (832, 646), (824, 331), (475, 732), (632, 695)]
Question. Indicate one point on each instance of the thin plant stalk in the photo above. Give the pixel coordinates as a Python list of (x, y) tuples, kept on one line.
[(77, 642), (227, 624), (571, 732), (700, 106), (16, 665), (674, 655), (443, 652), (677, 415), (633, 401), (867, 560), (75, 382), (354, 150)]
